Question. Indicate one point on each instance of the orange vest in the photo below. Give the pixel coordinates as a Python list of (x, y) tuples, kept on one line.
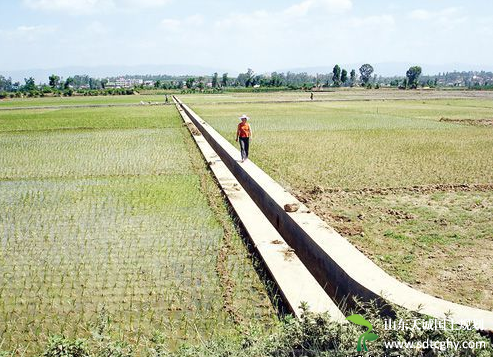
[(244, 130)]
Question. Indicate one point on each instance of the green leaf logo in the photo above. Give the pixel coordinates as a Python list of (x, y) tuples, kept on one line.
[(367, 336)]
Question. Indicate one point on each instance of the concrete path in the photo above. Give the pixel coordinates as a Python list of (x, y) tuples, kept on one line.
[(293, 279)]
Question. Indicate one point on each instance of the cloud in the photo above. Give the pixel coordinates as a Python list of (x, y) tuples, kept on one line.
[(192, 21), (246, 21), (93, 6), (75, 6), (195, 20), (28, 33), (328, 6), (420, 14), (448, 18), (97, 28), (374, 20), (144, 3), (171, 24)]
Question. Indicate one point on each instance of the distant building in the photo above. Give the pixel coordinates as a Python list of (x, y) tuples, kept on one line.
[(124, 83)]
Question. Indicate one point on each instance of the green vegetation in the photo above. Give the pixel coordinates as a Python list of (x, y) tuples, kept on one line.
[(408, 182), (365, 71), (412, 75), (116, 241), (83, 118), (353, 145), (109, 210), (312, 335)]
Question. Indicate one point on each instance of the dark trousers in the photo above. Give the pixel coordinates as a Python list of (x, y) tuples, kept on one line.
[(244, 146)]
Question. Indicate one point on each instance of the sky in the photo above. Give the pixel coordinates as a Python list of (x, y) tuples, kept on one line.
[(235, 35)]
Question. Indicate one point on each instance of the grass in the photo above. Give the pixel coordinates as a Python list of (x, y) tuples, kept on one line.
[(108, 211), (311, 335), (385, 173), (329, 95), (333, 94), (351, 145)]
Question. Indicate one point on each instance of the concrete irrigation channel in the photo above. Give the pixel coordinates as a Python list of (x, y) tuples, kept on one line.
[(294, 281), (341, 270)]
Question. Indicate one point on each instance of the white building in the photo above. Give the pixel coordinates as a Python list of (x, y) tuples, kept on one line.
[(124, 83)]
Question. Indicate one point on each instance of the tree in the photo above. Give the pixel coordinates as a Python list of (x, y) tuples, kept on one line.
[(5, 84), (201, 84), (336, 75), (95, 83), (215, 80), (224, 80), (69, 82), (29, 85), (189, 82), (246, 79), (344, 76), (412, 75), (275, 79), (250, 81), (365, 71), (157, 84), (241, 79), (54, 81), (352, 78)]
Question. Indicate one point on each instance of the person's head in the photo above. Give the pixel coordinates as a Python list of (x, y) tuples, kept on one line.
[(244, 118)]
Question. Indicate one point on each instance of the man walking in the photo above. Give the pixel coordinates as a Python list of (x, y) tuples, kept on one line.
[(244, 134)]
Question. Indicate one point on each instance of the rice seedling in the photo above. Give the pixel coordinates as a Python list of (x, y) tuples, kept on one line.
[(114, 217)]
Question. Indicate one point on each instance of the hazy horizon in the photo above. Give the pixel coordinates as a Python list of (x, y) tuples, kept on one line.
[(389, 69)]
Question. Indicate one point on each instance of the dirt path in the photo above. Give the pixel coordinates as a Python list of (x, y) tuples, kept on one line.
[(474, 122), (318, 190)]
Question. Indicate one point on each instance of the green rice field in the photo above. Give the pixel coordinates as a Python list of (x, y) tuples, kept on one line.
[(110, 217), (110, 213)]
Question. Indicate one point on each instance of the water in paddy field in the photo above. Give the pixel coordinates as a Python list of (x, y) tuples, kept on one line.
[(109, 224)]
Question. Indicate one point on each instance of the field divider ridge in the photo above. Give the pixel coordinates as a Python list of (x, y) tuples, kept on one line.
[(338, 266), (295, 283), (79, 106)]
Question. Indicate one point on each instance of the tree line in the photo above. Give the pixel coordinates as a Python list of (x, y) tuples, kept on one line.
[(340, 77), (79, 84)]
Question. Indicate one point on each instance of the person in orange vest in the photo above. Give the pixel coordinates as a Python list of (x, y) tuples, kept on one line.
[(244, 134)]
